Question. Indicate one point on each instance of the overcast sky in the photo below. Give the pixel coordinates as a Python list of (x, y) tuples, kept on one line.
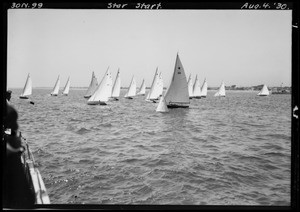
[(239, 47)]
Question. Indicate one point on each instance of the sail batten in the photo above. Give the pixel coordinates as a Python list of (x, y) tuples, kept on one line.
[(27, 91), (177, 94)]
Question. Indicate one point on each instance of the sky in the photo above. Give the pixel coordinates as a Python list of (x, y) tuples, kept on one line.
[(239, 47)]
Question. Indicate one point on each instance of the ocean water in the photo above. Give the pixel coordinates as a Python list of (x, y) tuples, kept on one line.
[(221, 151)]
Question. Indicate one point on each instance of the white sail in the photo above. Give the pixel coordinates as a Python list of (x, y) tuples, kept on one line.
[(204, 89), (177, 94), (142, 89), (196, 88), (190, 86), (27, 91), (117, 86), (93, 85), (132, 89), (221, 90), (156, 87), (152, 85), (103, 91), (67, 88), (162, 105), (264, 91), (56, 87)]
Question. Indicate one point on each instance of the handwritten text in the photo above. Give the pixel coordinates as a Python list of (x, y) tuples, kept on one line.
[(136, 6), (26, 5)]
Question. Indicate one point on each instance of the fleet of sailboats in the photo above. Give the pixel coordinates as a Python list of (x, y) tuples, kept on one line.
[(221, 90), (177, 94), (142, 89), (131, 92), (56, 87), (67, 88), (92, 87), (103, 91), (264, 91), (116, 87), (27, 91)]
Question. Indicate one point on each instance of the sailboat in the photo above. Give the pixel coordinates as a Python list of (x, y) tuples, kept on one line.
[(204, 89), (190, 87), (131, 92), (196, 88), (56, 87), (156, 87), (67, 88), (92, 87), (103, 91), (177, 94), (27, 91), (221, 90), (116, 87), (162, 105), (142, 89), (264, 91)]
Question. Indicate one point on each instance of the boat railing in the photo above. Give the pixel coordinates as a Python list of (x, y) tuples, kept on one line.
[(33, 175)]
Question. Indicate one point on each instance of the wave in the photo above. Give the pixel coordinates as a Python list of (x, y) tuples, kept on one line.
[(82, 131)]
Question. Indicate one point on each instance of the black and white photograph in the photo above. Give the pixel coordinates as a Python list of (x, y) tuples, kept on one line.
[(148, 104)]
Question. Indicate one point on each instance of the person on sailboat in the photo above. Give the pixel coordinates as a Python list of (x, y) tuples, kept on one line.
[(8, 95), (16, 191)]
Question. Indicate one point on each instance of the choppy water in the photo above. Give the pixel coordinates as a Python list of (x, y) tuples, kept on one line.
[(221, 151)]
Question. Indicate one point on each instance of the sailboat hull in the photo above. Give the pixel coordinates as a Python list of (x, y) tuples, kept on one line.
[(23, 97), (197, 97), (87, 97), (96, 103), (53, 94), (263, 95), (128, 98), (203, 96), (177, 106)]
